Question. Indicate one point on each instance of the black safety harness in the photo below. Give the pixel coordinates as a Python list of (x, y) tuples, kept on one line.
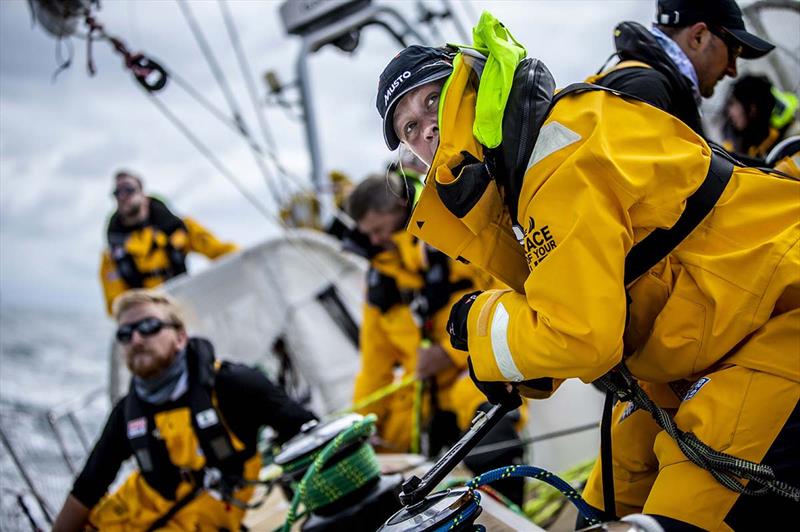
[(160, 219), (619, 383), (224, 464)]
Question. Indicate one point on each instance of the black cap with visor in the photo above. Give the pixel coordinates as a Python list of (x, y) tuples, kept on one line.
[(723, 15), (411, 68)]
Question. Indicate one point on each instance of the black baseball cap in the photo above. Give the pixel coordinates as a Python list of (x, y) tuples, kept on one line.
[(411, 68), (723, 14)]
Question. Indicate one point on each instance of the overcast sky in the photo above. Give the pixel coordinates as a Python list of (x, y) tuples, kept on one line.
[(62, 139)]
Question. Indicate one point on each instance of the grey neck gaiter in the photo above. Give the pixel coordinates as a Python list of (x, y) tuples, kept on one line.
[(168, 385)]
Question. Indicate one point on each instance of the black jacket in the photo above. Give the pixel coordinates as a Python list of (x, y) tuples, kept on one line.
[(247, 400), (663, 85)]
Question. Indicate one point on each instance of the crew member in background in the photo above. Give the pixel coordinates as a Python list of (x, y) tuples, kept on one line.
[(758, 116), (147, 243), (303, 208), (188, 418), (411, 288), (691, 47)]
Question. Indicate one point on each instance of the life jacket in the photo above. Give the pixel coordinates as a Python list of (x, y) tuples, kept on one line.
[(785, 109), (636, 46), (167, 234), (461, 212), (622, 65), (422, 271), (436, 290), (151, 450)]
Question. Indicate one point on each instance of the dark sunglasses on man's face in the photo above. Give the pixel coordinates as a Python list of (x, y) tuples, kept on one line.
[(123, 190), (734, 47), (145, 327)]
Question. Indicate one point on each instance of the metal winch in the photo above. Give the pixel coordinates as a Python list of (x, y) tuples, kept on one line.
[(331, 467)]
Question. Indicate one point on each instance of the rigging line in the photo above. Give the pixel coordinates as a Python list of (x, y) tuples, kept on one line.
[(205, 151), (247, 74), (303, 248), (244, 66), (299, 245), (216, 112), (219, 76), (204, 102)]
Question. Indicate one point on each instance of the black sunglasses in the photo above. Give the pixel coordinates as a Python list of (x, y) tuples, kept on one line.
[(123, 190), (734, 47), (145, 327)]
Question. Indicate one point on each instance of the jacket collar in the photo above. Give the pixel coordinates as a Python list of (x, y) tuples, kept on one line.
[(526, 110)]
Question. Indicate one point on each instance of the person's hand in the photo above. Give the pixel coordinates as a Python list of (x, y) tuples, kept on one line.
[(431, 360), (496, 392), (457, 322)]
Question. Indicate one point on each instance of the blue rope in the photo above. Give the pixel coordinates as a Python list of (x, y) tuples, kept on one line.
[(540, 474), (463, 515)]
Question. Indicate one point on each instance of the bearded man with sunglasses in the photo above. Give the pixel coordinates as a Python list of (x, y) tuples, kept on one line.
[(692, 46), (190, 421), (147, 243)]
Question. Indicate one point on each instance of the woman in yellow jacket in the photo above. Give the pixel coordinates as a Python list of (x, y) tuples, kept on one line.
[(711, 330), (410, 289)]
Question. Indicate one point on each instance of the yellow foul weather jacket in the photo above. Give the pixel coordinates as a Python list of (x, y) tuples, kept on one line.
[(148, 255), (720, 313), (591, 192), (391, 334)]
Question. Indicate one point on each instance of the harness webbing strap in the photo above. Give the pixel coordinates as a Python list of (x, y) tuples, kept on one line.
[(725, 468), (174, 509), (606, 459), (660, 243)]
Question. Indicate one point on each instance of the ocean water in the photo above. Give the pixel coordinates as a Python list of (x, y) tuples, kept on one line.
[(50, 362)]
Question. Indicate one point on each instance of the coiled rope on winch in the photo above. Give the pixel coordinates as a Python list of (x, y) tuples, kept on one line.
[(321, 486)]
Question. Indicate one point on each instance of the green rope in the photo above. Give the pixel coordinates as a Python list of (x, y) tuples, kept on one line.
[(318, 489), (345, 476), (416, 417), (377, 395)]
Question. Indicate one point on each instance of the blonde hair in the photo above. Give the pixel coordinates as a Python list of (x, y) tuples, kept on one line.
[(138, 296)]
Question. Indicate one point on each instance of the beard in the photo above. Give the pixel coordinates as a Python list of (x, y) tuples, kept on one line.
[(133, 211), (146, 363)]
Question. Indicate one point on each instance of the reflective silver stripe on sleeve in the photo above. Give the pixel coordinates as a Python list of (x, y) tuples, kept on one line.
[(500, 349), (552, 138)]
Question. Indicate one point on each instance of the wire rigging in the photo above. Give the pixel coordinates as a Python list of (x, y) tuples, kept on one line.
[(219, 76), (247, 73), (260, 207), (244, 66)]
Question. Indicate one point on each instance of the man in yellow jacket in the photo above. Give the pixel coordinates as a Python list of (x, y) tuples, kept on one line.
[(410, 289), (624, 238), (190, 421), (146, 243)]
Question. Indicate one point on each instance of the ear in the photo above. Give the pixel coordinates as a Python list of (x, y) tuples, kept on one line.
[(697, 36), (183, 338)]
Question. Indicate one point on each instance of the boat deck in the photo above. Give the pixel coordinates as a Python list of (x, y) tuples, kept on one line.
[(496, 517)]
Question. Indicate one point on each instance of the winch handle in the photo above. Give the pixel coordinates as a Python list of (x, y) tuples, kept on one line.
[(415, 489)]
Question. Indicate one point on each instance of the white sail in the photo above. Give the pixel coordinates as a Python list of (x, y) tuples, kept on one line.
[(244, 302)]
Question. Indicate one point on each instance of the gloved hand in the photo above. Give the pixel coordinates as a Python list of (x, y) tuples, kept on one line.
[(457, 322), (496, 392)]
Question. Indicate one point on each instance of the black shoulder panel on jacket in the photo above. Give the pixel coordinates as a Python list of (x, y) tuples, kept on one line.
[(382, 290), (647, 84)]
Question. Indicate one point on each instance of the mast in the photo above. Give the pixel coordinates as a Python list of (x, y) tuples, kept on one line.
[(336, 22)]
